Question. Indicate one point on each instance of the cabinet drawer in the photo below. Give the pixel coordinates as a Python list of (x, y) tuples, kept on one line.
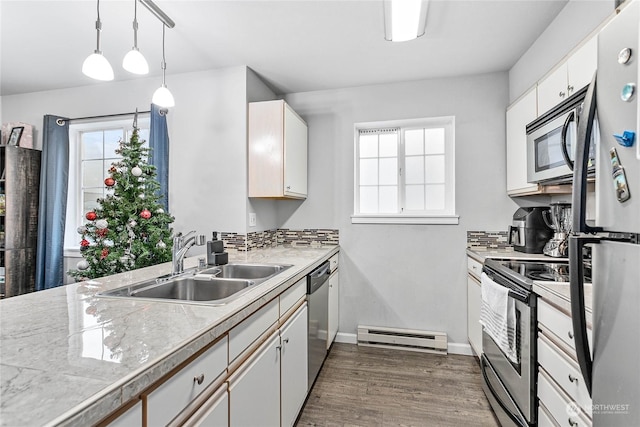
[(333, 263), (241, 336), (474, 267), (292, 295), (565, 372), (564, 411), (558, 322), (544, 417), (165, 402)]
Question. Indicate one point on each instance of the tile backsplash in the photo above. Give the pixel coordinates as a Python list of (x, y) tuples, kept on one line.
[(312, 237), (488, 240)]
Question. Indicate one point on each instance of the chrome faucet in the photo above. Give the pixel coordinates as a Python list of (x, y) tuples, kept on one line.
[(181, 245)]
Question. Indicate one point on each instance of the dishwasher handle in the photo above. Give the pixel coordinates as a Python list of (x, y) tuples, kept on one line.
[(317, 278)]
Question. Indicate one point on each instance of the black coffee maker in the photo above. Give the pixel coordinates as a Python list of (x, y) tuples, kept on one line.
[(529, 232)]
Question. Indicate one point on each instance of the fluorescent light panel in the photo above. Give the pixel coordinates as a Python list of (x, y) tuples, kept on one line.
[(404, 19)]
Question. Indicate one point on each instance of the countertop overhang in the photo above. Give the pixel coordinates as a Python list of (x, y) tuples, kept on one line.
[(68, 357)]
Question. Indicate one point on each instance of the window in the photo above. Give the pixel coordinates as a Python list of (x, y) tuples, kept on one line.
[(404, 172), (92, 149)]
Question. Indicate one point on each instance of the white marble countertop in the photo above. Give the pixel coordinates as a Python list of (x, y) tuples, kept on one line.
[(68, 357)]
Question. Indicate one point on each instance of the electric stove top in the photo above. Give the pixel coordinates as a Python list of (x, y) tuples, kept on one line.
[(544, 271)]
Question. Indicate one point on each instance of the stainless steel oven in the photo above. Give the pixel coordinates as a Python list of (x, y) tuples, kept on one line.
[(510, 386), (551, 142)]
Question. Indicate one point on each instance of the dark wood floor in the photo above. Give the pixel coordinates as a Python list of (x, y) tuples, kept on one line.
[(365, 386)]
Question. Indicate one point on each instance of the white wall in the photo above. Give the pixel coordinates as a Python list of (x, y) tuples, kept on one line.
[(207, 132), (409, 276), (574, 23)]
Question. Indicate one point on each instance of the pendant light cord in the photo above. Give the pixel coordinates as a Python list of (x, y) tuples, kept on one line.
[(164, 63), (135, 24), (98, 28)]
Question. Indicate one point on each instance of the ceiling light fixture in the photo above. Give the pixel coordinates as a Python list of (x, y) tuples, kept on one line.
[(162, 97), (404, 19), (134, 62), (96, 65)]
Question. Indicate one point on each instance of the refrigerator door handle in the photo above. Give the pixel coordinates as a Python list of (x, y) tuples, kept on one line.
[(578, 316), (581, 163)]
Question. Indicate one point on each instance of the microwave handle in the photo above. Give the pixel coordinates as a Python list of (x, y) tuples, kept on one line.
[(563, 139), (579, 193)]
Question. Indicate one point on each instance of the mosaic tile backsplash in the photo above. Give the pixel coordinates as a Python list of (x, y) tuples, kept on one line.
[(263, 239), (488, 240)]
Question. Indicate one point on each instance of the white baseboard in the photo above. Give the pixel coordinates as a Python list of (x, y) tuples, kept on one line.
[(346, 338), (452, 348), (457, 348)]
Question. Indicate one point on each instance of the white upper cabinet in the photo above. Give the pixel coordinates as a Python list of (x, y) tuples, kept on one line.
[(519, 115), (569, 77), (277, 151)]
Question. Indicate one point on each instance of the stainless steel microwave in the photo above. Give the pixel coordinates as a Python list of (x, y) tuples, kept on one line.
[(551, 142)]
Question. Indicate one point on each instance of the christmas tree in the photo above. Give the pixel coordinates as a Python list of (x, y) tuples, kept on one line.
[(129, 229)]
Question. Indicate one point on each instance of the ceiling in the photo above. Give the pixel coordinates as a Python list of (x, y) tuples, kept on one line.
[(294, 45)]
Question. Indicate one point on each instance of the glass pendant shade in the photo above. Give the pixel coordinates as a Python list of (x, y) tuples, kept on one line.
[(163, 98), (97, 67), (134, 62)]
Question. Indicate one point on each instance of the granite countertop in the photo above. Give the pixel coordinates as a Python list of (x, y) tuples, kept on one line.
[(69, 357)]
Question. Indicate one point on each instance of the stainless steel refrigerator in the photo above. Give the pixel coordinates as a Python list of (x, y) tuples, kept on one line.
[(611, 369)]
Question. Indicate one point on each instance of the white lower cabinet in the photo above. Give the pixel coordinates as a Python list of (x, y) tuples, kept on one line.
[(293, 377), (131, 418), (563, 397), (334, 307), (214, 412), (474, 328), (254, 389), (474, 299), (269, 388), (171, 397)]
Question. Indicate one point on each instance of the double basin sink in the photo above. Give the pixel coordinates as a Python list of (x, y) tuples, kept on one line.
[(213, 286)]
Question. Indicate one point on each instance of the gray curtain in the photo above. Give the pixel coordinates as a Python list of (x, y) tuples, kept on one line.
[(159, 144), (54, 181)]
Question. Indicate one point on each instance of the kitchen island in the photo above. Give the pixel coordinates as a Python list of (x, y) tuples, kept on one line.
[(68, 357)]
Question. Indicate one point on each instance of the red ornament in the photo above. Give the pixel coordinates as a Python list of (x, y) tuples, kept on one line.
[(109, 182), (146, 214), (91, 216), (104, 253), (102, 232), (84, 243)]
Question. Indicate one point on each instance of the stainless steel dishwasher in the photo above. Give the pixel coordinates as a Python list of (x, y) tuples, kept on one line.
[(318, 313)]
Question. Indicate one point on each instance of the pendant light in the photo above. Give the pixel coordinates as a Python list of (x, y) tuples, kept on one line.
[(162, 97), (134, 62), (96, 65)]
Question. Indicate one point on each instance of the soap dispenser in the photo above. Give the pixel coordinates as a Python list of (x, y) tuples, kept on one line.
[(215, 251)]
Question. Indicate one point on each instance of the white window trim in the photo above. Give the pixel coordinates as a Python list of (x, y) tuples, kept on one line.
[(71, 247), (409, 217)]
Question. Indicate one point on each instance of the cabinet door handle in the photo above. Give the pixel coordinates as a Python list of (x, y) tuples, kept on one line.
[(561, 94), (286, 340), (199, 379), (569, 89), (573, 379), (572, 423), (279, 348), (570, 335), (288, 187)]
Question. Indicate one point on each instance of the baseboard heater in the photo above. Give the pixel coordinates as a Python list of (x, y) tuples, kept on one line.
[(403, 339)]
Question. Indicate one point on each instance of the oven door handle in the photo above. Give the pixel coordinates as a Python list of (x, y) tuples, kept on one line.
[(563, 139), (506, 410)]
